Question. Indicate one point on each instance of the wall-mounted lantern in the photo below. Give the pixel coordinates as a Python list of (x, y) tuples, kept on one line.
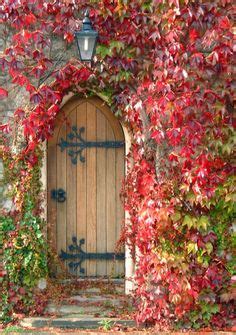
[(86, 39)]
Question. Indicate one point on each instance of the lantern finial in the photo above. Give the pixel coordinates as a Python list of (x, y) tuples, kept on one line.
[(86, 13), (86, 21)]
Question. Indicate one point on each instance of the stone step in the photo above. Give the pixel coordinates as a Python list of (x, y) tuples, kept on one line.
[(94, 281), (82, 322), (114, 289), (72, 309), (120, 332), (97, 299), (97, 290)]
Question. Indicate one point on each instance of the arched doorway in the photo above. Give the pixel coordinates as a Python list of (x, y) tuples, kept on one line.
[(85, 169)]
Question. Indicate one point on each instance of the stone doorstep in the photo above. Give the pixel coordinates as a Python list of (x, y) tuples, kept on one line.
[(116, 281), (118, 288), (89, 290), (82, 322), (97, 299), (98, 290), (70, 311)]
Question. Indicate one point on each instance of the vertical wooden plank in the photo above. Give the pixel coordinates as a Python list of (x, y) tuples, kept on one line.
[(111, 197), (61, 183), (101, 194), (91, 189), (119, 206), (52, 205), (70, 189), (81, 187)]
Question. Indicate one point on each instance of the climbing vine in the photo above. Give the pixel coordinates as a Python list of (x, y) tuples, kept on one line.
[(25, 250), (165, 69)]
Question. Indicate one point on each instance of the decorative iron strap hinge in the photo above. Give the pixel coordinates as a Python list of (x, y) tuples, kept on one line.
[(76, 253), (76, 144)]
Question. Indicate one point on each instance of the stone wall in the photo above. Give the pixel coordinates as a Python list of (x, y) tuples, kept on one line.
[(18, 97), (8, 105)]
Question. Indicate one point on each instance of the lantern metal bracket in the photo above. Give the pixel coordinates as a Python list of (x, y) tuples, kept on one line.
[(76, 144), (76, 253)]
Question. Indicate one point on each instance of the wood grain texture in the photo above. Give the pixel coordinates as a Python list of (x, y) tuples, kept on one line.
[(71, 191), (52, 205), (111, 200), (93, 209), (81, 186), (120, 215), (61, 183), (91, 161), (101, 194)]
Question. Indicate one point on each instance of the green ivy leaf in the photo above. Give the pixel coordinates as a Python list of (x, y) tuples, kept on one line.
[(199, 259), (116, 44), (189, 221), (209, 247), (176, 216), (28, 259), (123, 75), (203, 222), (192, 247), (103, 51)]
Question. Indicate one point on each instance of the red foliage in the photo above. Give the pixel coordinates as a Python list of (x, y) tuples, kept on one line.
[(168, 65), (3, 93)]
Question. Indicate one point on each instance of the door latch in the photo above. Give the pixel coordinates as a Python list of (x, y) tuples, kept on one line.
[(58, 195)]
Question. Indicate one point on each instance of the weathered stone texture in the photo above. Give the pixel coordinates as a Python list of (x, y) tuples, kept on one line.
[(60, 53)]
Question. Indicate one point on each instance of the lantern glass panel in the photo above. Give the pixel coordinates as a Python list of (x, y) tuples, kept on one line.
[(86, 45)]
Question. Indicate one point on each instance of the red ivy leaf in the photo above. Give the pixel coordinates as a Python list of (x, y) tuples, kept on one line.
[(193, 35), (35, 98), (3, 93), (69, 37), (53, 110), (157, 135), (20, 113), (173, 157), (5, 128), (30, 19), (224, 23)]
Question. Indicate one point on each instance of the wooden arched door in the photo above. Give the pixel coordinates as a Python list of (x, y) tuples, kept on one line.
[(85, 172)]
